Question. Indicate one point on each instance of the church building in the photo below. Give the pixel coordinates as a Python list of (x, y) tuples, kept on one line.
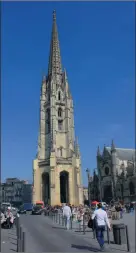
[(117, 174), (57, 175), (114, 179)]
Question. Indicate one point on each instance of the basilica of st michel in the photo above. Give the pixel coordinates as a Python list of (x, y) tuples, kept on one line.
[(57, 175)]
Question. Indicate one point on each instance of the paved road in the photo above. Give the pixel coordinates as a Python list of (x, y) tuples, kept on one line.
[(44, 236)]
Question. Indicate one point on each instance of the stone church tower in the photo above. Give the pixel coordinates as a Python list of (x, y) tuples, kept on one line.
[(57, 167)]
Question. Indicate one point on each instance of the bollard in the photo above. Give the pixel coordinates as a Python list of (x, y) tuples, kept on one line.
[(20, 238), (56, 217), (79, 226), (18, 233), (23, 242), (83, 224), (127, 237), (108, 236), (59, 218), (62, 221), (94, 234), (71, 222)]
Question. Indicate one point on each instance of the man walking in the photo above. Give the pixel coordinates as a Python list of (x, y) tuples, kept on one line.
[(101, 220), (67, 214)]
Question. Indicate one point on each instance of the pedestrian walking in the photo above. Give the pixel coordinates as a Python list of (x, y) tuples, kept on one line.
[(66, 215), (101, 220)]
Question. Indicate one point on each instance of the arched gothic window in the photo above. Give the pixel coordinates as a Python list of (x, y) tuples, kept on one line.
[(60, 125), (61, 153), (59, 112), (48, 120), (59, 96)]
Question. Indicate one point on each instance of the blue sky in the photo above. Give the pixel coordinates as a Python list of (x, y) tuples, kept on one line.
[(97, 48)]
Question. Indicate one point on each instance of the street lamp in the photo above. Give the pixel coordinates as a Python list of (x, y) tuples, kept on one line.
[(88, 176)]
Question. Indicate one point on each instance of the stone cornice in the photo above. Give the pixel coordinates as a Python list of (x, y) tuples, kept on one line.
[(44, 162), (60, 103), (64, 160)]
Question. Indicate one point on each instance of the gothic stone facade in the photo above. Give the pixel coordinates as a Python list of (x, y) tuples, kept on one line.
[(57, 167), (117, 174)]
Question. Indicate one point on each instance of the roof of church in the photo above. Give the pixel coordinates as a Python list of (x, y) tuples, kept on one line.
[(124, 154)]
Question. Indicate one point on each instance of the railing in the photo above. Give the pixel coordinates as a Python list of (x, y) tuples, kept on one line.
[(20, 236)]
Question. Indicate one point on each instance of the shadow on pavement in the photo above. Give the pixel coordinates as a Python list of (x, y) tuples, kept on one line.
[(59, 228), (14, 243), (118, 250), (13, 238), (85, 248), (11, 233), (111, 242)]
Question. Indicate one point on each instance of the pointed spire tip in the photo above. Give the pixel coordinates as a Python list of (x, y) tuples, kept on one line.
[(112, 144), (54, 14), (54, 66), (98, 151)]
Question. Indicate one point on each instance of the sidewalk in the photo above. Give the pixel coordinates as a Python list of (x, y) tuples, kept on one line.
[(88, 235), (8, 240)]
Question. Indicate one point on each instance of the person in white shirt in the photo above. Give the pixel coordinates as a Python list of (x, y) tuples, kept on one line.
[(101, 220), (67, 214)]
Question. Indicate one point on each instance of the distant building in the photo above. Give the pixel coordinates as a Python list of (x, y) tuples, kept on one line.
[(117, 173), (27, 193), (93, 186), (16, 191), (115, 176)]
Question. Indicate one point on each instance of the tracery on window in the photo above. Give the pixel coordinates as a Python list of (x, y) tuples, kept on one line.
[(59, 112), (59, 96), (60, 125), (48, 120)]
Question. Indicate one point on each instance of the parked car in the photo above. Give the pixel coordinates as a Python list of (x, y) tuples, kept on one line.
[(22, 210), (37, 210)]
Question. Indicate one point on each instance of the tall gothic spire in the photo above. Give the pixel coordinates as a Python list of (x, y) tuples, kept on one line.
[(54, 66), (98, 151)]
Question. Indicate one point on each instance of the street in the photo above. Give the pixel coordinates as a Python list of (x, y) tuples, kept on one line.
[(44, 235)]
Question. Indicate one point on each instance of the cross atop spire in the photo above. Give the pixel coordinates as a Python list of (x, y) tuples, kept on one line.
[(54, 66)]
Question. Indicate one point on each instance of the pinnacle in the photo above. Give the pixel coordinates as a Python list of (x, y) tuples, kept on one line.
[(54, 66), (112, 145), (54, 14)]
